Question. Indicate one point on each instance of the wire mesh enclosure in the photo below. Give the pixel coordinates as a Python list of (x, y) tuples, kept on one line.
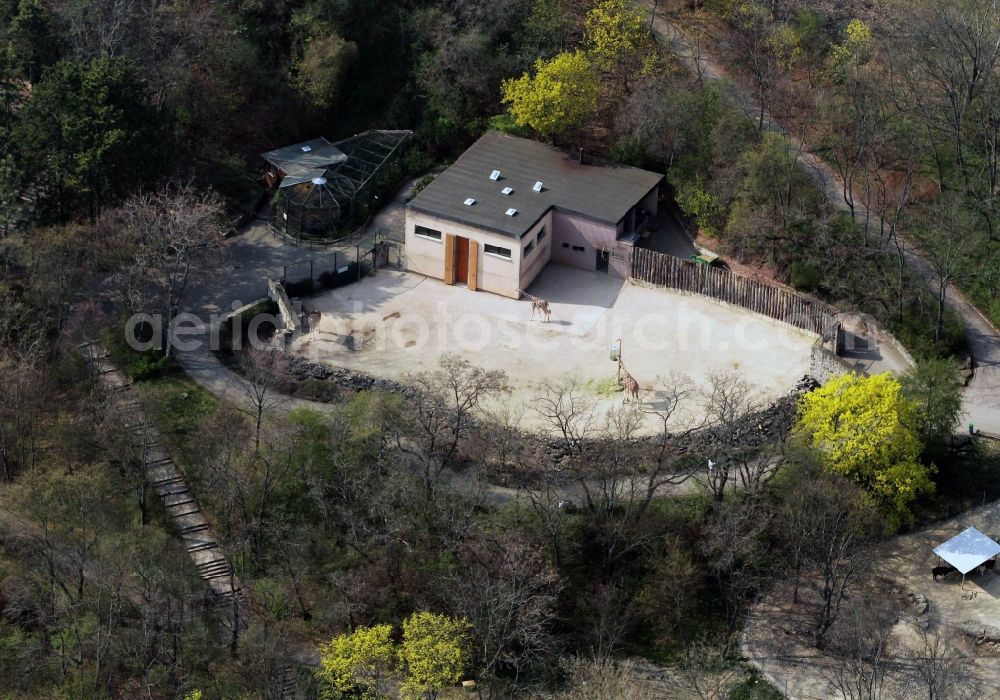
[(326, 203)]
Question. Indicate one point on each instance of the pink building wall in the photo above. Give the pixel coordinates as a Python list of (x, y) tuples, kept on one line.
[(570, 233), (575, 240)]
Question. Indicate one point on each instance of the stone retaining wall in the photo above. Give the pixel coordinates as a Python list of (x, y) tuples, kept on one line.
[(290, 320), (825, 365)]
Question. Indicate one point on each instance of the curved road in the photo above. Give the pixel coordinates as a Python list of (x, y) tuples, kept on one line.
[(981, 401)]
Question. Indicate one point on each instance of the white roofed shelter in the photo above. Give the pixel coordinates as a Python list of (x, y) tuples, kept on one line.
[(967, 550)]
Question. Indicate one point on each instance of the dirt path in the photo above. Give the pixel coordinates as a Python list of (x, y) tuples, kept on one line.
[(982, 398)]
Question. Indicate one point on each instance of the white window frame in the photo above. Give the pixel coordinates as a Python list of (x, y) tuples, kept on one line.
[(416, 232), (499, 256)]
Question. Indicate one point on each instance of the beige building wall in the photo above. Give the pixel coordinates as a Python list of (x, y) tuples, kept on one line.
[(495, 274), (534, 261)]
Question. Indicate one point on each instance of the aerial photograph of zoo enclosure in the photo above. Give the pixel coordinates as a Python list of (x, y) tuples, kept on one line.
[(542, 349)]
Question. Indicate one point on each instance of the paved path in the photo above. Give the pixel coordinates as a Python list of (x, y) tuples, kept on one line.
[(982, 398), (249, 259)]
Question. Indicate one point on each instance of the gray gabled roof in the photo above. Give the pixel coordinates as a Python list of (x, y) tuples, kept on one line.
[(307, 159), (601, 193)]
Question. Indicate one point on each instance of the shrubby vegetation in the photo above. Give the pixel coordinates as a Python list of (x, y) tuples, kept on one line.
[(902, 104)]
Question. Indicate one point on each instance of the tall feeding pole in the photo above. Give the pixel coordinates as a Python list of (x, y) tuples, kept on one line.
[(616, 356)]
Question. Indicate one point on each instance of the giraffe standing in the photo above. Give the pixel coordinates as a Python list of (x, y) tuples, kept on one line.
[(631, 387), (539, 305)]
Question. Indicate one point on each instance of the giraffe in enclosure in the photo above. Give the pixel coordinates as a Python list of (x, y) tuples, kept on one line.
[(539, 305), (631, 387)]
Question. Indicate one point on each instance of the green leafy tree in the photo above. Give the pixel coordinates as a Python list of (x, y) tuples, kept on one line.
[(355, 665), (618, 42), (934, 386), (853, 50), (33, 39), (319, 72), (865, 428), (696, 202), (87, 127), (434, 652), (551, 26), (775, 203), (10, 204), (560, 96)]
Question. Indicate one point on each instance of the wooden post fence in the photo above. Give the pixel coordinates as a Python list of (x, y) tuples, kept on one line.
[(781, 304)]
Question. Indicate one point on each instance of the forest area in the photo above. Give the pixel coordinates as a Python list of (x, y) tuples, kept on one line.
[(396, 544)]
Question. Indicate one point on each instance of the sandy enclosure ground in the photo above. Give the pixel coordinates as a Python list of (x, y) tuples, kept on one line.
[(397, 323)]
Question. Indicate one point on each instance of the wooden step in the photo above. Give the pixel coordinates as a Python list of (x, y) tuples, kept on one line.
[(191, 529), (228, 573), (183, 490), (212, 562), (202, 546)]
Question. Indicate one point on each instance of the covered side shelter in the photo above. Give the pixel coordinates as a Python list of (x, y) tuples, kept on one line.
[(302, 161), (968, 550)]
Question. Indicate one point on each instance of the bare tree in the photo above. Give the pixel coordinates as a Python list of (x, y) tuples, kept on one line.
[(244, 485), (566, 409), (126, 441), (611, 615), (161, 236), (729, 403), (953, 50), (732, 541), (508, 592), (828, 526), (617, 474), (504, 435), (23, 393), (948, 249), (265, 371), (862, 645), (768, 51), (708, 670), (443, 414), (939, 666), (604, 679)]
